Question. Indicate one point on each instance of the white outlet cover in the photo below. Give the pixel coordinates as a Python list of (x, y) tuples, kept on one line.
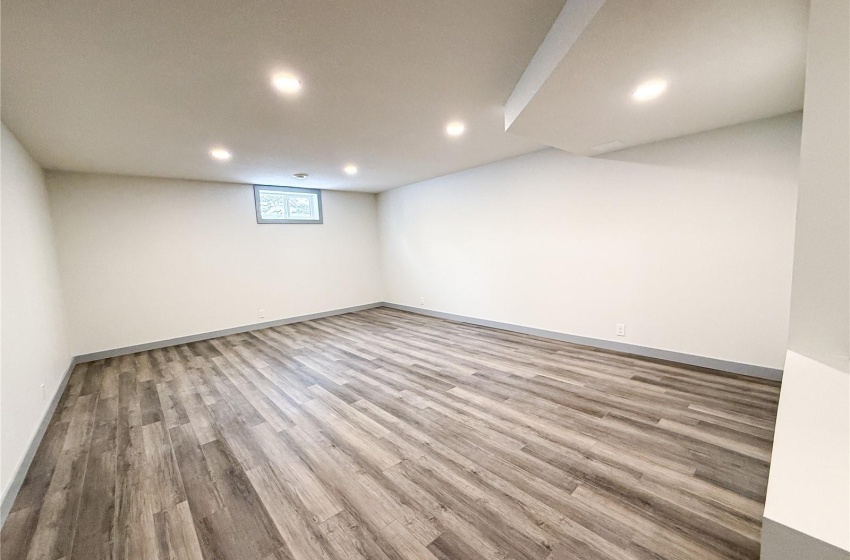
[(621, 329)]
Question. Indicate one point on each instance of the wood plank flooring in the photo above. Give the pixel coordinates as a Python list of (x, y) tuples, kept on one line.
[(385, 435)]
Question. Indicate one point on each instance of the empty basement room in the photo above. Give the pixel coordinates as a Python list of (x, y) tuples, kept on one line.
[(441, 280)]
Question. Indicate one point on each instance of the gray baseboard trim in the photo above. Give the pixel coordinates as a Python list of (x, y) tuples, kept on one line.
[(24, 466), (215, 334), (644, 351), (700, 361), (781, 542)]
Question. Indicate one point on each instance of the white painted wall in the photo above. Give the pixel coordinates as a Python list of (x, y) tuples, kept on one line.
[(32, 319), (688, 242), (820, 301), (147, 260), (809, 486)]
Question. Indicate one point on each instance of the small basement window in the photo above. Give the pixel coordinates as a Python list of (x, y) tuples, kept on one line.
[(287, 205)]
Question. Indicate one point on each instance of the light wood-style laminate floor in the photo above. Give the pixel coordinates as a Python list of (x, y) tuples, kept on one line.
[(383, 434)]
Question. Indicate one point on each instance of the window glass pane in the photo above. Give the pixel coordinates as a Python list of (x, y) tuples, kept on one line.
[(300, 207), (273, 205)]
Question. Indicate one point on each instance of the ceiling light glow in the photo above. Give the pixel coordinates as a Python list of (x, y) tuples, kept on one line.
[(350, 169), (649, 90), (455, 128), (286, 83), (220, 154)]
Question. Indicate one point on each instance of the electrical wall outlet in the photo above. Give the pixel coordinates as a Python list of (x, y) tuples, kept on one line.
[(621, 329), (261, 313), (422, 301)]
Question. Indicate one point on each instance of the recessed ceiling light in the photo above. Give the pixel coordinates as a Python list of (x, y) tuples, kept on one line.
[(455, 128), (286, 83), (350, 169), (649, 90), (220, 154), (300, 175)]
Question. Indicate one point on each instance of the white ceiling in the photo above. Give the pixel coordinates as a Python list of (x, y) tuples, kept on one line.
[(726, 62), (147, 87)]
